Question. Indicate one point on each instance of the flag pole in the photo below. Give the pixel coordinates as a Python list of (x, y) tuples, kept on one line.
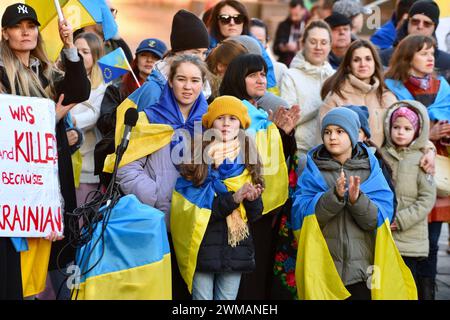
[(129, 67), (58, 10)]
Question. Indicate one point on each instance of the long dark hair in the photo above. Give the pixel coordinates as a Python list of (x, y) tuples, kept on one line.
[(403, 55), (334, 83), (233, 82), (214, 19), (197, 171)]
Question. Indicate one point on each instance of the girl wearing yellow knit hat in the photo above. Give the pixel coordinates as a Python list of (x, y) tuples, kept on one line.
[(227, 187)]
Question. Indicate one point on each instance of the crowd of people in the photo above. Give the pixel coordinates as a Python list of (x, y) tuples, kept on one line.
[(353, 126)]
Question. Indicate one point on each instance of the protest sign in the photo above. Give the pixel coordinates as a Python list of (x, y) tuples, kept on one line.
[(30, 203)]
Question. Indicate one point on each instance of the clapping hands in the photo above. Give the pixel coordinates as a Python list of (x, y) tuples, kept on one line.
[(248, 191), (285, 119), (353, 187)]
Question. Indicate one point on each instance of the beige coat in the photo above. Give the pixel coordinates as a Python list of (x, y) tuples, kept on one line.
[(416, 193), (359, 93)]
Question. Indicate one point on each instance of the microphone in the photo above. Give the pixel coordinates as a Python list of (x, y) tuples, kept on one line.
[(131, 117)]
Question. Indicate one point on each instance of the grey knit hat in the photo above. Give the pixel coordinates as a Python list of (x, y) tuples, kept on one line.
[(250, 43), (344, 118)]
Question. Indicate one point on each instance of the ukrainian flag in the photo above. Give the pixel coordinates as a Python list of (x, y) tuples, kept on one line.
[(316, 275), (34, 259), (114, 65), (190, 213), (270, 148), (133, 256), (74, 12)]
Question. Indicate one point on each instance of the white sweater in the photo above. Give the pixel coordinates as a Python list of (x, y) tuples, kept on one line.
[(86, 115), (301, 84)]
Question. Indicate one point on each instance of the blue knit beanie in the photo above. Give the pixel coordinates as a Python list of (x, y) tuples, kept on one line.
[(363, 114), (344, 118)]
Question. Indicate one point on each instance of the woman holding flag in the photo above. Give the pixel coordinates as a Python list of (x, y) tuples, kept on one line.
[(25, 70)]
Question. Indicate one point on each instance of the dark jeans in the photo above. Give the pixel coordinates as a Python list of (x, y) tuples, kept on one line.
[(359, 291), (413, 264), (427, 268)]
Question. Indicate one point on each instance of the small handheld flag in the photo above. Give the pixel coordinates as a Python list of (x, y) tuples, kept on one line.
[(114, 65)]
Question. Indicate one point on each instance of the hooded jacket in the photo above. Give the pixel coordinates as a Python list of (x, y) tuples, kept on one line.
[(359, 93), (416, 193), (301, 85)]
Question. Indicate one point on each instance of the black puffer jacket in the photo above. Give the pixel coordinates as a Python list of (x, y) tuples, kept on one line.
[(215, 255)]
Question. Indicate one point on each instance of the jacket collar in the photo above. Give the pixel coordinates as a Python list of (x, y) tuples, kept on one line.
[(356, 84), (299, 62)]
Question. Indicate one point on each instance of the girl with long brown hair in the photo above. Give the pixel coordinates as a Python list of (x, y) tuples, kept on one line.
[(226, 248)]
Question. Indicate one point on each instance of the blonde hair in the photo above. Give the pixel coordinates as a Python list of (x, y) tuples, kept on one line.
[(97, 51), (23, 81)]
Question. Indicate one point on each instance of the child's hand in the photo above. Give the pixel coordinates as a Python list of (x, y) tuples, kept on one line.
[(353, 189), (340, 185), (254, 192)]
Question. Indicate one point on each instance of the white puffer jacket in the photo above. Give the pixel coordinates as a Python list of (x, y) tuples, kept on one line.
[(301, 85)]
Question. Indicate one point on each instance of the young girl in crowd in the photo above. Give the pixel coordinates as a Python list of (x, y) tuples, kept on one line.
[(226, 249), (152, 178), (406, 130), (411, 77), (149, 52), (333, 186), (85, 114), (25, 70), (359, 81)]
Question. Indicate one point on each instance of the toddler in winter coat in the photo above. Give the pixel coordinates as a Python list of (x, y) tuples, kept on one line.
[(407, 128)]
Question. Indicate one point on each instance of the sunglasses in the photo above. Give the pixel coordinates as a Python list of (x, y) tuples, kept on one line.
[(226, 19), (426, 24)]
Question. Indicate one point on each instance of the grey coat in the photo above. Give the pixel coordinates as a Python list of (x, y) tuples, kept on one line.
[(416, 193), (152, 179), (349, 230)]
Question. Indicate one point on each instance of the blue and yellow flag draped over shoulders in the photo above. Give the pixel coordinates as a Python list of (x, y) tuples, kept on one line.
[(191, 210), (316, 275), (133, 256), (155, 127), (190, 215), (270, 148)]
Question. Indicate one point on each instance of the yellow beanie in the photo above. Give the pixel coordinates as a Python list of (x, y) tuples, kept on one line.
[(226, 105)]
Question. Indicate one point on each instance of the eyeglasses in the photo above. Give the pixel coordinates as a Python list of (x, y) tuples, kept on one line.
[(427, 24), (226, 18)]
